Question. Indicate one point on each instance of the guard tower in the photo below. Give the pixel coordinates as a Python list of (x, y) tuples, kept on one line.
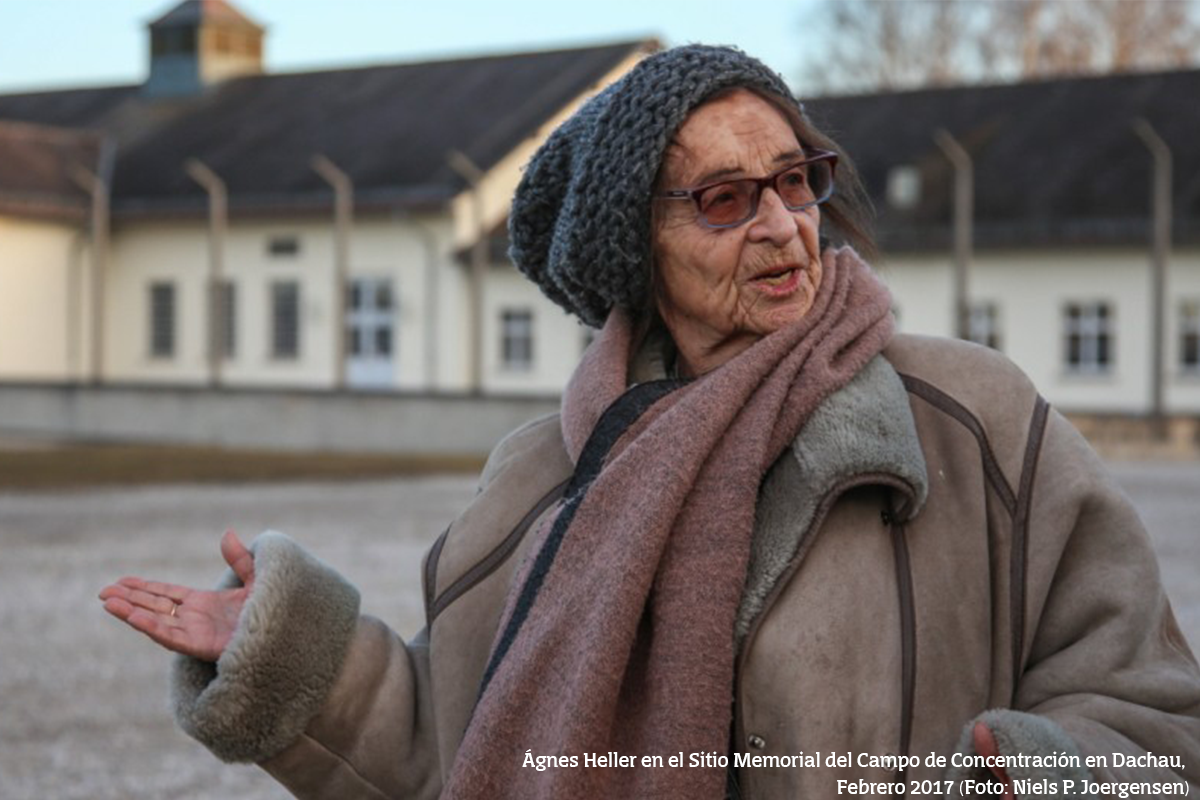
[(198, 44)]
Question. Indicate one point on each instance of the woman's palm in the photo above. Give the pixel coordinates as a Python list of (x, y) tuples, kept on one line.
[(195, 622)]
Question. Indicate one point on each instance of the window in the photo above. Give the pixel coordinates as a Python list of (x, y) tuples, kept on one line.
[(369, 318), (162, 320), (283, 246), (1189, 336), (516, 339), (983, 325), (903, 186), (173, 41), (285, 319), (1088, 329), (222, 320)]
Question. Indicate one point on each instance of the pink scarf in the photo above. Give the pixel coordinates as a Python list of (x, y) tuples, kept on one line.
[(618, 635)]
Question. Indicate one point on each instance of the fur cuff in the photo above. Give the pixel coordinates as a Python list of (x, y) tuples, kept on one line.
[(287, 650), (1018, 733)]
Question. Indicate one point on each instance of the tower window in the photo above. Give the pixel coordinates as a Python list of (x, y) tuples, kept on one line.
[(173, 41)]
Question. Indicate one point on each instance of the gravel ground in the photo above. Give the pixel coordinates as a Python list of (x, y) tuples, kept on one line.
[(83, 709), (83, 713)]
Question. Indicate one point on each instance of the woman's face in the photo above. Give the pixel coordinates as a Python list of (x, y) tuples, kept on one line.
[(722, 289)]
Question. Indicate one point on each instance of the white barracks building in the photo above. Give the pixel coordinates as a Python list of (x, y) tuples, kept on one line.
[(123, 210), (221, 228)]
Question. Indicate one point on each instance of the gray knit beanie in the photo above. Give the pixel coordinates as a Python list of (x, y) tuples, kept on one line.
[(580, 220)]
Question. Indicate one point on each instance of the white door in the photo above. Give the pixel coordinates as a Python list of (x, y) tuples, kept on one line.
[(370, 337)]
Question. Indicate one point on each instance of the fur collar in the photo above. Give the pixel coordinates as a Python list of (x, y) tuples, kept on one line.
[(865, 427)]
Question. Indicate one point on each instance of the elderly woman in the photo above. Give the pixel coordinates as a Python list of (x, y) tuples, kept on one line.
[(766, 541)]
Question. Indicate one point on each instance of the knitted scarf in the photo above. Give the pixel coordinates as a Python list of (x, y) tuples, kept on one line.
[(618, 637)]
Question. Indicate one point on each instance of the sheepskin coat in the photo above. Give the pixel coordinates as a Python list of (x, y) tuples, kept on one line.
[(938, 546)]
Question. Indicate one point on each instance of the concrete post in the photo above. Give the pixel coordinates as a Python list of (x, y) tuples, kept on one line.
[(1160, 199), (97, 185), (473, 175), (343, 220), (218, 222), (964, 214)]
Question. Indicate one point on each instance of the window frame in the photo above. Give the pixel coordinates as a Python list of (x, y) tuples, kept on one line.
[(1097, 337), (1188, 333), (278, 350), (162, 334), (977, 312), (284, 245), (517, 352)]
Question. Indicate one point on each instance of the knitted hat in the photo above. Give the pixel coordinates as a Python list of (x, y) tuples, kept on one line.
[(580, 220)]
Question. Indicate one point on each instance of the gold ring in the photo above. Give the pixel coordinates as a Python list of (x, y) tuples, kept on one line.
[(174, 606)]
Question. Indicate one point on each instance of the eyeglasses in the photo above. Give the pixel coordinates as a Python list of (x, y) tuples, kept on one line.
[(730, 203)]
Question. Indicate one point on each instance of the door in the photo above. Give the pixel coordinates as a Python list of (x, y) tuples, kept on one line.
[(370, 337)]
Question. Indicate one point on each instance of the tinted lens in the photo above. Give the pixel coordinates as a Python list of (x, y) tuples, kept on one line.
[(805, 184), (727, 203)]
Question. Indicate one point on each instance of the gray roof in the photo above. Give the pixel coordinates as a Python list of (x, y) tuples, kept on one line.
[(1055, 161), (38, 166), (389, 127)]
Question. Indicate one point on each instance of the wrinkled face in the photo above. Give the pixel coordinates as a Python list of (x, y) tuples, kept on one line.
[(720, 290)]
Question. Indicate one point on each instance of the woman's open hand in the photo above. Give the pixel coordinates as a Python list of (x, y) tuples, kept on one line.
[(190, 621)]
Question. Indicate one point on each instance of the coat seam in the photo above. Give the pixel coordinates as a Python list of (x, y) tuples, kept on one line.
[(956, 410), (492, 561), (908, 641), (429, 574), (1020, 551)]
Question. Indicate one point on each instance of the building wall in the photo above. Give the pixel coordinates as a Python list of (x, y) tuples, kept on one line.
[(43, 300), (45, 284), (1182, 390), (1031, 291), (452, 304), (411, 253), (558, 338)]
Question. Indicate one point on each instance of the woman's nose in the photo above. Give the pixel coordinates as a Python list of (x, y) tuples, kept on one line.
[(773, 222)]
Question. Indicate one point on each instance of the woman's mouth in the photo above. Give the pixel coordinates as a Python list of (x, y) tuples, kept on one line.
[(778, 282)]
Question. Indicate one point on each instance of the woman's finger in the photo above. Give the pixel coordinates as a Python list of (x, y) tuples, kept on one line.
[(156, 603), (118, 606), (169, 590), (163, 629), (239, 559), (150, 624), (140, 618)]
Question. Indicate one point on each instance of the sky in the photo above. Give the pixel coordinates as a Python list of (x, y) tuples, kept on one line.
[(48, 44)]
